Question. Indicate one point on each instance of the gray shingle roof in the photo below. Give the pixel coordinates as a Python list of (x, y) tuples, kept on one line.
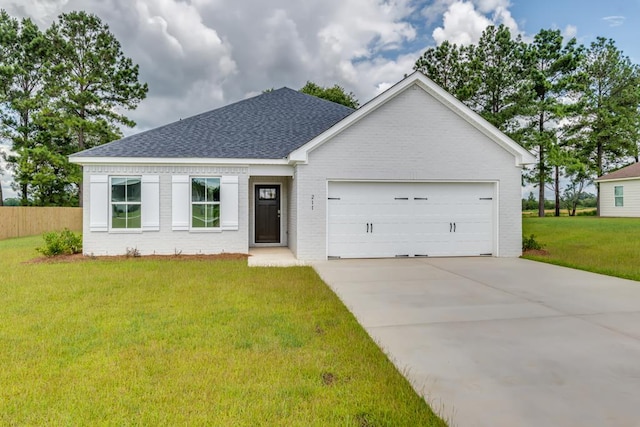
[(268, 126)]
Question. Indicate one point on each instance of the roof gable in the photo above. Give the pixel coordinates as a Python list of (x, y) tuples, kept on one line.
[(267, 126), (521, 155), (628, 172)]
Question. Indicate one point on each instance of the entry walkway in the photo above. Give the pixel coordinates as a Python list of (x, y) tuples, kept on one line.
[(502, 341), (277, 256)]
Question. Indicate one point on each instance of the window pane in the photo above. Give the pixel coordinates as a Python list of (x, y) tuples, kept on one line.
[(617, 190), (213, 189), (198, 219), (134, 219), (134, 188), (118, 216), (118, 188), (198, 186), (267, 194), (215, 216)]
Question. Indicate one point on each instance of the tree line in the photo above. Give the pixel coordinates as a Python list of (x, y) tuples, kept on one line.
[(576, 107), (62, 90), (68, 88)]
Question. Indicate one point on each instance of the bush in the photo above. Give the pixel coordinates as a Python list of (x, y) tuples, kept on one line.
[(592, 212), (65, 242), (530, 243)]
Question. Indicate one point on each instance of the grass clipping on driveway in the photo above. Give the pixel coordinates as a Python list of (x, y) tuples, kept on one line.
[(181, 342)]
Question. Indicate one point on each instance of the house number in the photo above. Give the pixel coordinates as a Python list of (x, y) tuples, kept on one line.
[(312, 197)]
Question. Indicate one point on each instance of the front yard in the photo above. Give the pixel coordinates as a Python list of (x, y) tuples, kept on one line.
[(186, 342), (602, 245)]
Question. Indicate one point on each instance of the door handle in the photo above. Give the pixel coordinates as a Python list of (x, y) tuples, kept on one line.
[(372, 227), (454, 227), (367, 227), (450, 227)]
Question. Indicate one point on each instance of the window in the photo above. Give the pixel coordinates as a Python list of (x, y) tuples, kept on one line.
[(126, 202), (618, 195), (205, 202), (267, 194)]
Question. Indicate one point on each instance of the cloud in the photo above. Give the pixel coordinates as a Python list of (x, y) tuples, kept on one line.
[(462, 25), (569, 31), (464, 21), (197, 55), (614, 21)]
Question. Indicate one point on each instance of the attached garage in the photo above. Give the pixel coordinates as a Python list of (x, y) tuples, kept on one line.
[(411, 219)]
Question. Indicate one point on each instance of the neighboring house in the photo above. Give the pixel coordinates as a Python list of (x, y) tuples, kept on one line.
[(620, 192), (413, 172)]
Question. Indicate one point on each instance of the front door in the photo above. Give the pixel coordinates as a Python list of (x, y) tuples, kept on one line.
[(267, 213)]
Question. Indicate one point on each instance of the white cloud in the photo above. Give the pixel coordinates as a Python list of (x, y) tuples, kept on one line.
[(462, 25), (614, 21), (570, 31), (489, 6), (464, 21)]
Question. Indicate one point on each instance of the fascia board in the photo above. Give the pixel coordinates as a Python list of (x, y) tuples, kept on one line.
[(630, 178), (174, 161)]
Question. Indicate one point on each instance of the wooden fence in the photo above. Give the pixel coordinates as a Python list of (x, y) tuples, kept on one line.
[(18, 221)]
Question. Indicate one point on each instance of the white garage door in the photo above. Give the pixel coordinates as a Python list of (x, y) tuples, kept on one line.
[(383, 219)]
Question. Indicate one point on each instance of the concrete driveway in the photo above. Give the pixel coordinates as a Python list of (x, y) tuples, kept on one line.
[(502, 341)]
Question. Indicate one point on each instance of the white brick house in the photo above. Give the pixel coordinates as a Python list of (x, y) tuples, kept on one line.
[(413, 172)]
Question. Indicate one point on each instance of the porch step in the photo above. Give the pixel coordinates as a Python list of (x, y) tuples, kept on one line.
[(272, 257)]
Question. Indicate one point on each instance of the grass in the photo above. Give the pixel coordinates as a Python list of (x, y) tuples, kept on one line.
[(563, 212), (603, 245), (174, 342)]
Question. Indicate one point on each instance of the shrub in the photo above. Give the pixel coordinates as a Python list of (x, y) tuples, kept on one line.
[(132, 252), (64, 242), (530, 243), (592, 212)]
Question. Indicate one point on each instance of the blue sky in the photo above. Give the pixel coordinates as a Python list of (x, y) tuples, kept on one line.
[(197, 55), (616, 19)]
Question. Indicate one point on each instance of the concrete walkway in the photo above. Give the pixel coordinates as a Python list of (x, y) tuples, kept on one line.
[(277, 256), (502, 341)]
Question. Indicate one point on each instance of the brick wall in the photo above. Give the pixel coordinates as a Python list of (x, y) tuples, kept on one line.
[(166, 241), (410, 138)]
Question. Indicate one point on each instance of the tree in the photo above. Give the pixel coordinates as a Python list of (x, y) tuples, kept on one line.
[(91, 81), (607, 129), (496, 87), (335, 94), (487, 77), (23, 84), (448, 66), (552, 74)]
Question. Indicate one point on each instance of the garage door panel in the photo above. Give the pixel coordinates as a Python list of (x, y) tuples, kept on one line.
[(410, 219)]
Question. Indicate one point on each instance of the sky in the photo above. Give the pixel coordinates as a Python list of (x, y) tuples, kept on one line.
[(198, 55)]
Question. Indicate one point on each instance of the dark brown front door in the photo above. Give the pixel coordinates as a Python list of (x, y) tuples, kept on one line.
[(267, 213)]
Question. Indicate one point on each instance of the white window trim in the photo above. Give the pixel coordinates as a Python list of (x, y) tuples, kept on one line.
[(616, 196), (217, 229), (111, 203)]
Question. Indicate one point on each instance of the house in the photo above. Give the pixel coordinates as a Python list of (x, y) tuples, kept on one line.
[(620, 192), (411, 173)]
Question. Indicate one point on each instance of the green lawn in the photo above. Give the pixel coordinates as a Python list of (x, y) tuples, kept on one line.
[(175, 342), (604, 245)]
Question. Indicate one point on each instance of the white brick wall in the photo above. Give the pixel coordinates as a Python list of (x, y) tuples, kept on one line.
[(292, 215), (166, 241), (410, 138)]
